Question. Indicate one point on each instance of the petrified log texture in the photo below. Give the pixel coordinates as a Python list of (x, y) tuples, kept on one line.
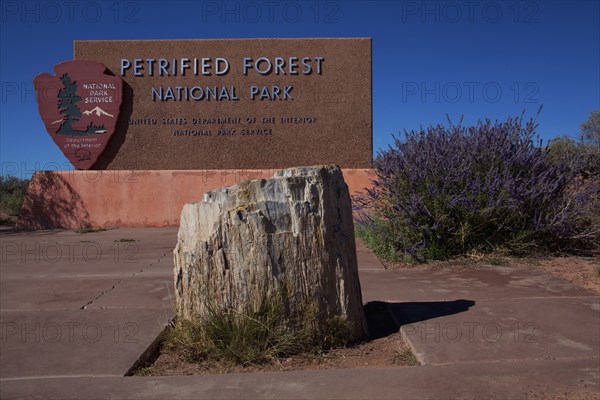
[(290, 238)]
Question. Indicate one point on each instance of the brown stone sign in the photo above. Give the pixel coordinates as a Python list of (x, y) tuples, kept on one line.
[(80, 108), (239, 103)]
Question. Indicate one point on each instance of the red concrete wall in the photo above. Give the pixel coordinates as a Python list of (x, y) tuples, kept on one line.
[(108, 198)]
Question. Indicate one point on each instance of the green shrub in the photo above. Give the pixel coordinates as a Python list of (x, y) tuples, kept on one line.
[(587, 154), (12, 194), (379, 238)]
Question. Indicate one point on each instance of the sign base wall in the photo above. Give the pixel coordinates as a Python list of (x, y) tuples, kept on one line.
[(120, 198)]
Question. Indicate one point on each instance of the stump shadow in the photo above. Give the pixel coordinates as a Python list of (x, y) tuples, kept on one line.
[(384, 319)]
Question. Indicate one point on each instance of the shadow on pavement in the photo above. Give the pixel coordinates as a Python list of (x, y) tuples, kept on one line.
[(409, 313), (384, 319)]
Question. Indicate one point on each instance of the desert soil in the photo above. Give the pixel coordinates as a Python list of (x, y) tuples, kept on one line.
[(386, 352), (385, 349)]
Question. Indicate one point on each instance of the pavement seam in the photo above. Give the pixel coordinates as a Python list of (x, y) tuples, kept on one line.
[(159, 259), (593, 297), (36, 310), (25, 378), (100, 295), (541, 298), (85, 306), (127, 308), (61, 277), (70, 309), (516, 360)]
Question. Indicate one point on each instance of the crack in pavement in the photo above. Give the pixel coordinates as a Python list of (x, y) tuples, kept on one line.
[(142, 270), (100, 295)]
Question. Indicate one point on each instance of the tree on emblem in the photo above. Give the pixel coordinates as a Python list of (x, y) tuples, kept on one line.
[(67, 104)]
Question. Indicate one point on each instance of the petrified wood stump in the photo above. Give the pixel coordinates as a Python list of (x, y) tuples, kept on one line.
[(290, 237)]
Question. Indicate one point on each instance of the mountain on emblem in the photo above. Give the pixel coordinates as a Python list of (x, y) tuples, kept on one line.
[(80, 107), (98, 111)]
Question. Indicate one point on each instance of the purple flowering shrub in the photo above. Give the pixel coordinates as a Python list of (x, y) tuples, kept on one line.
[(448, 190)]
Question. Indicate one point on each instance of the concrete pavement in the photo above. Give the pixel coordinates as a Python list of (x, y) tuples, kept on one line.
[(77, 311), (488, 313), (82, 304), (491, 380)]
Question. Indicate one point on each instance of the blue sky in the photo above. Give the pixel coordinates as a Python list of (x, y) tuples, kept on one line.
[(480, 59)]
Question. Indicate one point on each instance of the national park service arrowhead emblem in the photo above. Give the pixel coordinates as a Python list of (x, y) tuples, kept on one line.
[(80, 107)]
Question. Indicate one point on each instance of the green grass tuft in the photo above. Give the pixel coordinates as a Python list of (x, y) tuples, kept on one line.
[(405, 358), (89, 230), (245, 338)]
